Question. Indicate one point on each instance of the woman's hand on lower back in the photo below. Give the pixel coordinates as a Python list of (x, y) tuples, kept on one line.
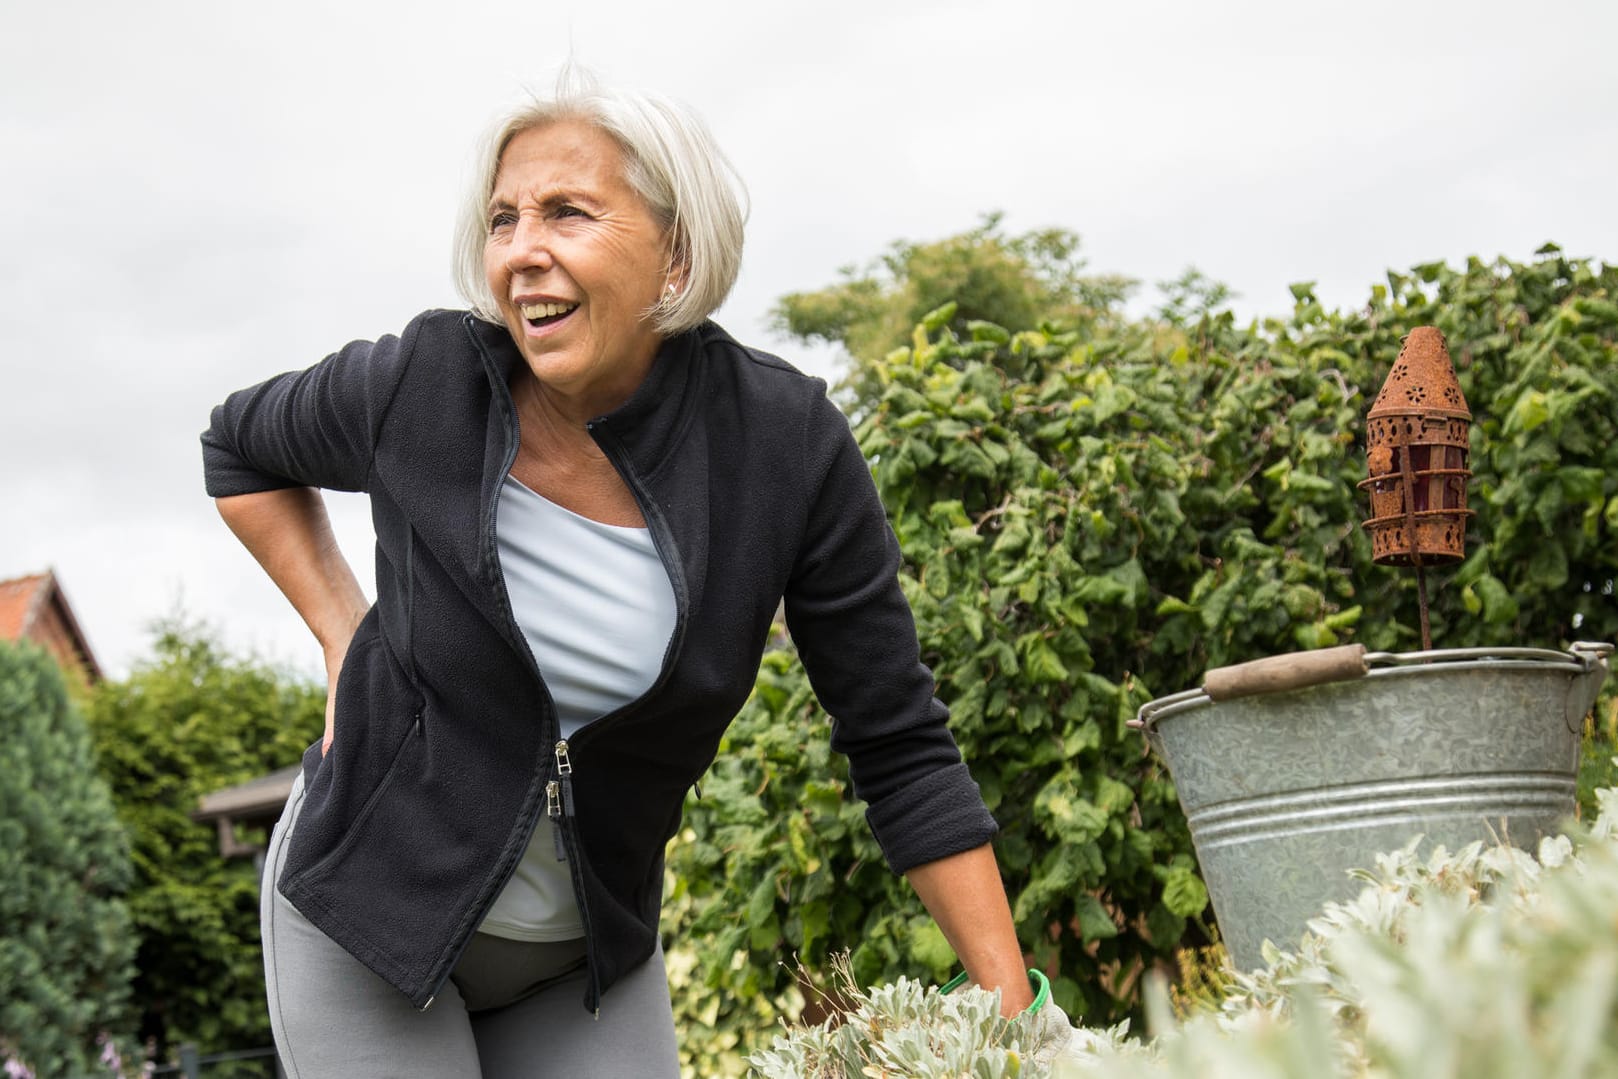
[(288, 532), (334, 670)]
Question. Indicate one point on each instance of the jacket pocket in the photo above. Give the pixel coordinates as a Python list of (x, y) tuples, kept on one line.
[(356, 826), (378, 720)]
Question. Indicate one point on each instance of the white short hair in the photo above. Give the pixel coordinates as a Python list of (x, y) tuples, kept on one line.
[(672, 162)]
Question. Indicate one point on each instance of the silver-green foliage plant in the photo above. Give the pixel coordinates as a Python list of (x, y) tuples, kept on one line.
[(911, 1030), (905, 1029), (1484, 963)]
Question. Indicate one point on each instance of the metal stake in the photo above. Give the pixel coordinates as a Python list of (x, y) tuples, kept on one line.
[(1421, 593)]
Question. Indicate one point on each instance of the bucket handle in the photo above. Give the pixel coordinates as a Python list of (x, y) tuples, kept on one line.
[(1587, 659), (1295, 670), (1581, 696)]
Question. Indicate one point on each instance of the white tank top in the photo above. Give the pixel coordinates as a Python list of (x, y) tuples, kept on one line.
[(595, 605)]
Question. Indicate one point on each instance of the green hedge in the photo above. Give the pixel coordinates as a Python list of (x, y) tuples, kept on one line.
[(1093, 515), (186, 722)]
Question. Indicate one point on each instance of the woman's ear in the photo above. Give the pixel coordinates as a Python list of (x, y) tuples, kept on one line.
[(679, 271), (679, 276)]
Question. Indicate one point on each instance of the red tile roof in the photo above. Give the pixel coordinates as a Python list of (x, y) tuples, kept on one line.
[(34, 608), (19, 602)]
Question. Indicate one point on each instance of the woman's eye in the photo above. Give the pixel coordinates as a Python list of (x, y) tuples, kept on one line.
[(502, 220), (565, 210)]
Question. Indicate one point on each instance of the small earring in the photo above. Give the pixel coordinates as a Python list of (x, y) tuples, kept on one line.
[(672, 289)]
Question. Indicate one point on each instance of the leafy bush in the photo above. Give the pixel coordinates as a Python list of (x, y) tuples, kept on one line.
[(1092, 515), (1013, 281), (185, 723), (65, 936)]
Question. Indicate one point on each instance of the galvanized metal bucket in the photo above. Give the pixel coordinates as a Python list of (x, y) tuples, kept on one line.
[(1289, 786)]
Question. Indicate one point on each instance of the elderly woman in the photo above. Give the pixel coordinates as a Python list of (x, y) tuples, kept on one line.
[(589, 501)]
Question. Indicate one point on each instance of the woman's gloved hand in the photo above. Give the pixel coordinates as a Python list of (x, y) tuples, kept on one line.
[(1046, 1028), (1050, 1033), (1046, 1025)]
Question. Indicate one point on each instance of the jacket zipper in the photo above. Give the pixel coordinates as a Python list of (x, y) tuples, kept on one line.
[(559, 806), (556, 798), (550, 729), (559, 803)]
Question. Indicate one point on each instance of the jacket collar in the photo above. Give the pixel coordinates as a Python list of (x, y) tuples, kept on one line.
[(651, 423), (648, 429)]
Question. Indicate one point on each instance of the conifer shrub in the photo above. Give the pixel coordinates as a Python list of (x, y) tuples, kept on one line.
[(66, 940)]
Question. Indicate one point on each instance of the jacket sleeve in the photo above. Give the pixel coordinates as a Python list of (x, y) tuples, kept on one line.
[(312, 428), (857, 639)]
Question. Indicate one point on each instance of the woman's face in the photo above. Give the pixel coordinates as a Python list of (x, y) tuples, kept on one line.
[(575, 259)]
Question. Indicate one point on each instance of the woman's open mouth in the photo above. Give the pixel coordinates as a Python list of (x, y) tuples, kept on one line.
[(544, 314)]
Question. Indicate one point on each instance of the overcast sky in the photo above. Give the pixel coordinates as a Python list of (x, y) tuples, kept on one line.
[(198, 194)]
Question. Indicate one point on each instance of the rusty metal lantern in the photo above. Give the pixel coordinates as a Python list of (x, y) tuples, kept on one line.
[(1417, 435)]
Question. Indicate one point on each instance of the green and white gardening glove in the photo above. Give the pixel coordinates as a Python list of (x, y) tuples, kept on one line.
[(1049, 1031), (1046, 1028)]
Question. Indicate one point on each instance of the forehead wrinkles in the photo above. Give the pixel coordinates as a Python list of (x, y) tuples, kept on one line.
[(543, 195), (570, 149)]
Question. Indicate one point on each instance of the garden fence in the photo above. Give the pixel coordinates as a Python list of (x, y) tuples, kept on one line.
[(243, 1064)]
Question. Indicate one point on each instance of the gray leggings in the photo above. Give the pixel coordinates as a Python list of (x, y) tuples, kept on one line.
[(511, 1010)]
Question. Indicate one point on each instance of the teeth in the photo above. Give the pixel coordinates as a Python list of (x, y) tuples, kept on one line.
[(546, 310)]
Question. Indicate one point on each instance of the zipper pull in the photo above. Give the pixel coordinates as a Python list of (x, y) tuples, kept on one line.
[(564, 776), (553, 810), (559, 798)]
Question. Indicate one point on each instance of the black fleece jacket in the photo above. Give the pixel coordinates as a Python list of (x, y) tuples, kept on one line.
[(447, 742)]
